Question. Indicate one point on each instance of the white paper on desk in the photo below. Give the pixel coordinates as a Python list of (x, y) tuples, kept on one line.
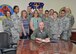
[(1, 27)]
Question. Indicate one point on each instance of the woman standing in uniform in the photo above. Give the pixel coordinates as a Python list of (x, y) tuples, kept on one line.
[(16, 30)]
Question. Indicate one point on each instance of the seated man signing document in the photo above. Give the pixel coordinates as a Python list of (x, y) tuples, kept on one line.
[(41, 34)]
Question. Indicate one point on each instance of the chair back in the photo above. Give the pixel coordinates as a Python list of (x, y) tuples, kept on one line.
[(4, 40)]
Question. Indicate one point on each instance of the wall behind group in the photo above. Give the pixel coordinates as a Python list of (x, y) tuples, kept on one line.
[(48, 4)]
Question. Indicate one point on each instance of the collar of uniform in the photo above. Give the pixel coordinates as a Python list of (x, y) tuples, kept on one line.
[(40, 31), (63, 17), (8, 18), (16, 14)]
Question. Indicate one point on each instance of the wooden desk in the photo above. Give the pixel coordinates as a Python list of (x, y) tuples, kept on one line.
[(73, 37), (32, 47)]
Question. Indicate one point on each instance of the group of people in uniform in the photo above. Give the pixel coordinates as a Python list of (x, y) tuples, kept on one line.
[(37, 25)]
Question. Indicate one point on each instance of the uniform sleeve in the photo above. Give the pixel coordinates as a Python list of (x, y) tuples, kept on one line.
[(33, 36), (67, 24), (72, 21), (60, 27), (12, 19), (49, 34), (4, 25)]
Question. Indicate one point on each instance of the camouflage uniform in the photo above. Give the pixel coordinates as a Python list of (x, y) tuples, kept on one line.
[(55, 28), (65, 26), (30, 15), (46, 23), (71, 18), (7, 25), (16, 29)]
